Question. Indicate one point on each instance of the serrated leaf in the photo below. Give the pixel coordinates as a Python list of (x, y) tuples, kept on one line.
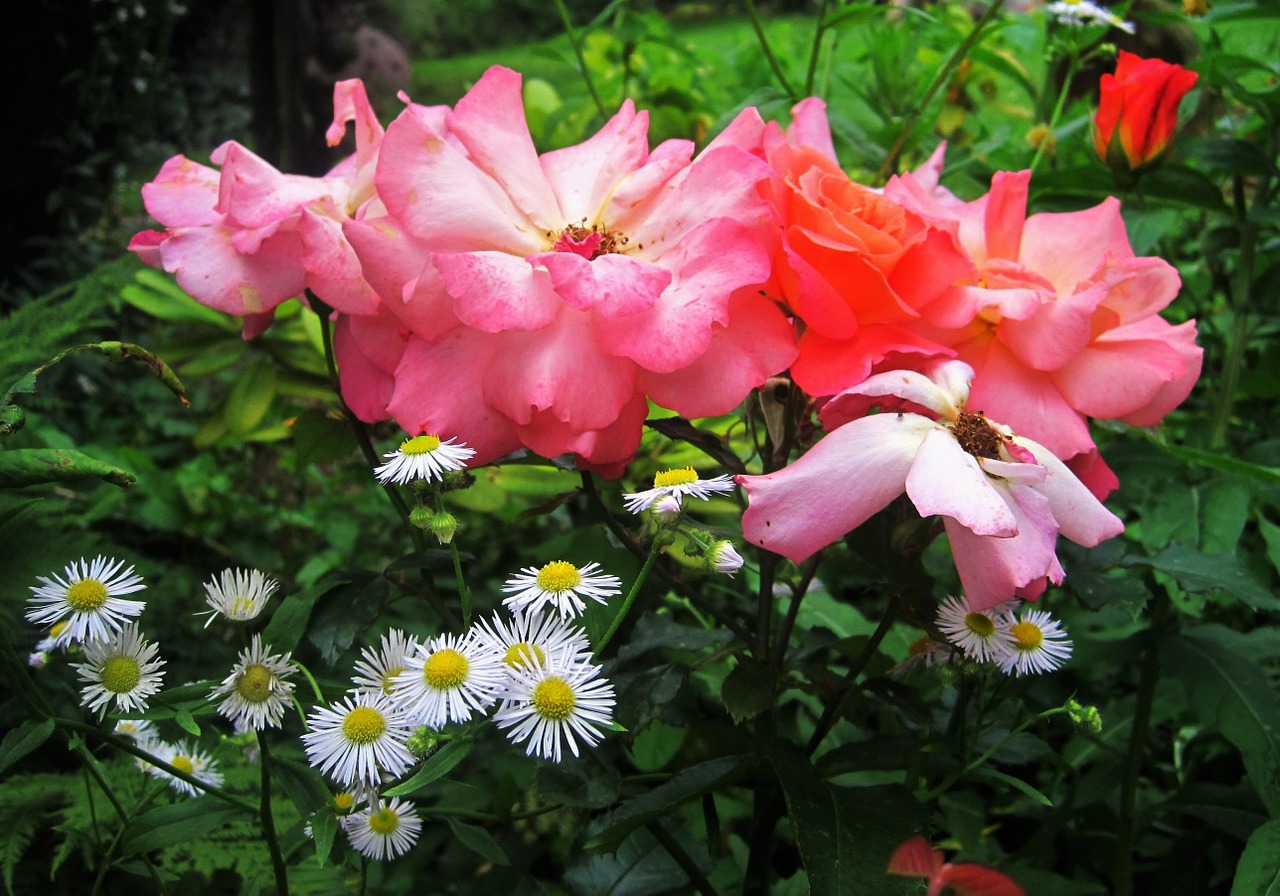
[(1235, 697), (479, 841), (1198, 573), (747, 691), (639, 867), (608, 833), (22, 740), (1258, 872), (176, 823), (439, 764)]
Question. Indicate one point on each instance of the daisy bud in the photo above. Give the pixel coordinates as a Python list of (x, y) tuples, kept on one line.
[(1084, 716), (443, 526), (38, 660), (421, 517), (724, 558), (422, 743)]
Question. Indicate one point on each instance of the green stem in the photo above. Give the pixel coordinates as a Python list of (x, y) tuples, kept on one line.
[(582, 59), (798, 592), (975, 763), (819, 30), (132, 749), (148, 799), (268, 819), (630, 598), (92, 765), (890, 163), (677, 852), (1233, 364), (464, 593), (1073, 66), (834, 709), (768, 50)]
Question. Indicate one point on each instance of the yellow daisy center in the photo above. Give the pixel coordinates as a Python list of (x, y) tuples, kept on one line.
[(420, 445), (388, 676), (363, 725), (554, 699), (242, 607), (384, 821), (86, 595), (121, 674), (519, 655), (344, 801), (559, 575), (183, 764), (254, 683), (57, 628), (1026, 635), (980, 624), (919, 646), (445, 669), (668, 478)]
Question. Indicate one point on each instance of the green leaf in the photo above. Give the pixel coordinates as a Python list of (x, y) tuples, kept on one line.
[(659, 743), (345, 611), (1232, 155), (1235, 697), (22, 740), (439, 764), (30, 466), (176, 823), (324, 825), (608, 833), (845, 834), (579, 785), (747, 690), (479, 841), (187, 722), (991, 774), (1225, 463), (639, 867), (318, 438), (1258, 873), (249, 399), (159, 296), (1198, 573)]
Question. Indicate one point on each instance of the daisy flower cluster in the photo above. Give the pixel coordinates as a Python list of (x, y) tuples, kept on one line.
[(530, 666), (1017, 643), (184, 756), (430, 466)]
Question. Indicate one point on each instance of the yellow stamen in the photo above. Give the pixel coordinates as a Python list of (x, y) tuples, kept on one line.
[(120, 674), (1027, 635), (254, 683), (522, 655), (420, 445), (553, 699), (559, 575), (183, 764), (384, 821), (86, 595), (364, 725), (668, 478), (980, 624), (445, 669)]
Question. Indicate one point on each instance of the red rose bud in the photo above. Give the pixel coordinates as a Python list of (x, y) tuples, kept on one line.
[(1138, 112)]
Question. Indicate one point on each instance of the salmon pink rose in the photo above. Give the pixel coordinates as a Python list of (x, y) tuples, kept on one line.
[(1057, 316), (1003, 499), (246, 238), (547, 298)]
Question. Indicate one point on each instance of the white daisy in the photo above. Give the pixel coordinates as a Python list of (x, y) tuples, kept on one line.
[(387, 832), (358, 739), (978, 633), (1082, 13), (559, 584), (556, 703), (531, 637), (189, 758), (141, 731), (376, 668), (677, 484), (448, 679), (238, 594), (1036, 643), (256, 691), (88, 601), (924, 653), (423, 457), (122, 668)]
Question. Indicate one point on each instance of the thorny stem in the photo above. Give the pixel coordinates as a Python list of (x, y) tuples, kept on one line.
[(849, 688), (268, 820), (582, 60), (944, 74), (768, 51)]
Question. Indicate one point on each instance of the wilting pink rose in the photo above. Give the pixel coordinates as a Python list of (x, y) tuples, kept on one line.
[(1057, 316), (545, 299), (246, 238), (1003, 499)]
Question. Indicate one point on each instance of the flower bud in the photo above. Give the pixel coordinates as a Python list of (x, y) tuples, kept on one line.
[(1138, 113), (725, 558), (421, 517), (443, 526), (422, 743), (1084, 716)]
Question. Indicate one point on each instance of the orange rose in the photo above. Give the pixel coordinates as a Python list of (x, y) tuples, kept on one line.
[(1138, 112)]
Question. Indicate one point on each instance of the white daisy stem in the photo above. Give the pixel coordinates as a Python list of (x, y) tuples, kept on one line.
[(464, 593), (631, 596), (975, 763), (91, 764), (268, 820)]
